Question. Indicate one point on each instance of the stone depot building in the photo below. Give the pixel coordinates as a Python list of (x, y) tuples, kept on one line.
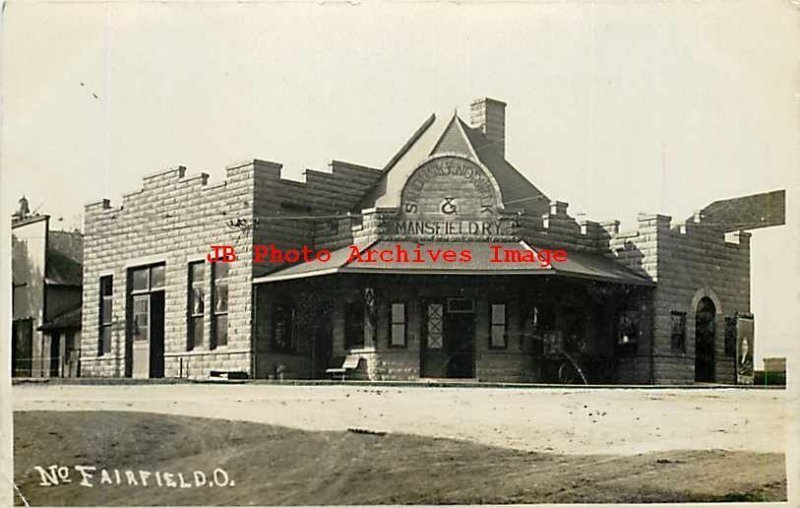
[(664, 303)]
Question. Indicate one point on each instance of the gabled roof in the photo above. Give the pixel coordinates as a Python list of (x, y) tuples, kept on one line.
[(455, 136), (413, 151), (413, 139), (518, 191)]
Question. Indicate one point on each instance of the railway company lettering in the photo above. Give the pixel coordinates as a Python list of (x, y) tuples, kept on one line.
[(450, 197)]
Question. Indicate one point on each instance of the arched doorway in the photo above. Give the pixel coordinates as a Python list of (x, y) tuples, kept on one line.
[(704, 340)]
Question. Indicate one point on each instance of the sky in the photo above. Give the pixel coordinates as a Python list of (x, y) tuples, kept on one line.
[(615, 107)]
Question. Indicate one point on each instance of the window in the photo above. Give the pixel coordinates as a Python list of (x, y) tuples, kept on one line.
[(628, 327), (679, 331), (196, 304), (460, 305), (148, 278), (219, 317), (435, 326), (730, 336), (141, 318), (283, 332), (140, 279), (398, 325), (354, 325), (106, 312), (497, 338), (157, 277), (143, 281)]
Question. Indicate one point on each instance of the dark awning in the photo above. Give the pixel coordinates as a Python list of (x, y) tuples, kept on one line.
[(481, 262), (67, 320)]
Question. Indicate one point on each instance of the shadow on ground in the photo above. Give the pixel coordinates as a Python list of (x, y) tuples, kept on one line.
[(271, 465)]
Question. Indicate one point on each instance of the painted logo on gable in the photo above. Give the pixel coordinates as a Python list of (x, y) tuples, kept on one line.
[(431, 185), (451, 198)]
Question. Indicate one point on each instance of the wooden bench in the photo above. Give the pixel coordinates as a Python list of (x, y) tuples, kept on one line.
[(350, 363)]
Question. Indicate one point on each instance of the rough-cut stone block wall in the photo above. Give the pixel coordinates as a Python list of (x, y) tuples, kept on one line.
[(693, 264), (558, 230), (397, 363), (286, 212), (172, 219), (634, 370), (277, 204), (284, 207), (505, 366), (509, 364), (687, 263), (638, 251)]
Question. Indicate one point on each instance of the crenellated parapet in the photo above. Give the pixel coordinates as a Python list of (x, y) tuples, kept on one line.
[(558, 229), (313, 211), (339, 189), (174, 218)]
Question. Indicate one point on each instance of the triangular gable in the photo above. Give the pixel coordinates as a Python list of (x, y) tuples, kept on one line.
[(440, 136), (454, 140)]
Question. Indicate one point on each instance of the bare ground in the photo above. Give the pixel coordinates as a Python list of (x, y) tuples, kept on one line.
[(277, 465), (559, 420)]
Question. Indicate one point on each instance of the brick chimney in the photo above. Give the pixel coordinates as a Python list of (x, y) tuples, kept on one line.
[(489, 116)]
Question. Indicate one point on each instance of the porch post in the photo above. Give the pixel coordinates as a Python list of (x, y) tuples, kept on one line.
[(370, 317)]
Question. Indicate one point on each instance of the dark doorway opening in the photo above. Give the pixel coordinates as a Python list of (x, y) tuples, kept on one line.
[(22, 347), (55, 354), (157, 334), (323, 341), (704, 340), (459, 331), (72, 354), (448, 348)]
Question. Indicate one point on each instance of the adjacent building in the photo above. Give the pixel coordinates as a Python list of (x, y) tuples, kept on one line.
[(46, 297), (668, 302)]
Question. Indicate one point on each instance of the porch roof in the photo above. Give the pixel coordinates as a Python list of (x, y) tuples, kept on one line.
[(578, 264), (70, 319)]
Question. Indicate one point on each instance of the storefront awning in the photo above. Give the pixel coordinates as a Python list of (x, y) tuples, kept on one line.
[(67, 320), (454, 258)]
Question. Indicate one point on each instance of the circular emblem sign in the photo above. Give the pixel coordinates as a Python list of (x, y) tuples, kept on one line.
[(450, 198), (449, 186)]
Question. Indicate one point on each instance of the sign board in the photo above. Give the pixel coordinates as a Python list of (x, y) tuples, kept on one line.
[(744, 350), (749, 212), (451, 198)]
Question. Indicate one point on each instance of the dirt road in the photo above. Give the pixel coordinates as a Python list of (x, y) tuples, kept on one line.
[(132, 457), (558, 420)]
